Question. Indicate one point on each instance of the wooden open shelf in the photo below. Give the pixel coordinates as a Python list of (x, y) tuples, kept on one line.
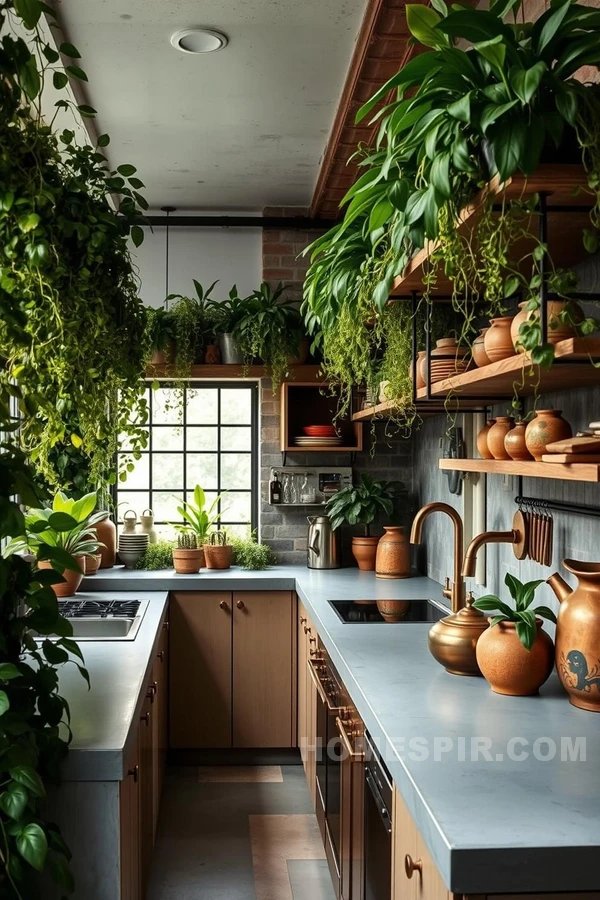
[(224, 372), (566, 185), (529, 469), (305, 404), (388, 407)]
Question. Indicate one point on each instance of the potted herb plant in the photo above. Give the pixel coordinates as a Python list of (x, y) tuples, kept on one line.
[(271, 330), (515, 654), (360, 505), (68, 528), (218, 553), (160, 336), (189, 556), (229, 313)]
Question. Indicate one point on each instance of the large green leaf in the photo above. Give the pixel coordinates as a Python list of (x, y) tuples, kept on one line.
[(492, 111), (4, 702), (412, 73), (508, 143), (29, 778), (29, 10), (32, 845), (547, 26), (494, 51), (59, 556), (62, 521), (473, 25), (422, 21), (13, 800), (84, 507), (525, 82)]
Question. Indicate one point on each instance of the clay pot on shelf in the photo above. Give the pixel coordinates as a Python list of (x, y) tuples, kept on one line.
[(188, 562), (163, 358), (91, 563), (106, 532), (497, 342), (480, 357), (496, 436), (448, 359), (547, 427), (563, 330), (364, 550), (514, 442), (218, 556), (420, 379), (507, 666), (212, 355), (482, 440), (70, 585), (393, 610), (393, 554)]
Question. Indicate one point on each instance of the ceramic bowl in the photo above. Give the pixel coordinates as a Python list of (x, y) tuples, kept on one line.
[(130, 557)]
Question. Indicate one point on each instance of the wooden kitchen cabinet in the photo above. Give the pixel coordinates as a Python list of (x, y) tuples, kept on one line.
[(263, 669), (160, 718), (307, 708), (130, 840), (200, 669), (414, 873)]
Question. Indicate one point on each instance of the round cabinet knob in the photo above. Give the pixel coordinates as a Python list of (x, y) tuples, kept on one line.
[(145, 718), (240, 604), (134, 772), (161, 655), (411, 866), (223, 605)]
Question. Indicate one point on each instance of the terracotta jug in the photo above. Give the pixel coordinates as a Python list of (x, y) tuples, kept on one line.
[(212, 356), (561, 332), (364, 550), (578, 633), (420, 379), (480, 357), (514, 442), (393, 554), (497, 341), (496, 436), (106, 531), (482, 440), (547, 427)]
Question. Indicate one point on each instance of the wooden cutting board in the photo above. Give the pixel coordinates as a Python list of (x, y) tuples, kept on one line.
[(571, 458), (575, 445)]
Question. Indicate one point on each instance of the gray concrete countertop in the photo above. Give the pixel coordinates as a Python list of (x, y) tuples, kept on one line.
[(493, 823)]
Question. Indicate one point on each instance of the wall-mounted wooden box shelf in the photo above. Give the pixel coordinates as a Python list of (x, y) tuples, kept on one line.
[(304, 403), (529, 469)]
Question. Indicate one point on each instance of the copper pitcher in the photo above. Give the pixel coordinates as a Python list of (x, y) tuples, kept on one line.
[(578, 633)]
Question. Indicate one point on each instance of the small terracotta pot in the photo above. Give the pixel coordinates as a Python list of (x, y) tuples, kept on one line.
[(91, 563), (393, 610), (212, 355), (514, 442), (547, 427), (164, 357), (508, 666), (106, 532), (496, 435), (562, 332), (188, 562), (482, 440), (393, 554), (69, 586), (497, 342), (364, 550), (480, 357), (218, 556)]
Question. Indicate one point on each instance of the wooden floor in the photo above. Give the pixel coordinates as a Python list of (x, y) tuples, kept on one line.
[(238, 833)]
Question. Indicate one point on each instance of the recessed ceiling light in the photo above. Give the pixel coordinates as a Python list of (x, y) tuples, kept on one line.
[(198, 40)]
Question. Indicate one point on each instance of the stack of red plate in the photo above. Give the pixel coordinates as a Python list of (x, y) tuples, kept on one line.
[(319, 430)]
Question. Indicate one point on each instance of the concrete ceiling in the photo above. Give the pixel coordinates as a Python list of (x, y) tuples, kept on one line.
[(245, 127)]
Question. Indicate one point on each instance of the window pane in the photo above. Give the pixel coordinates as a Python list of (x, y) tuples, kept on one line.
[(125, 440), (136, 500), (202, 406), (238, 507), (167, 438), (201, 439), (241, 531), (140, 476), (167, 471), (167, 406), (236, 471), (211, 496), (236, 406), (236, 438), (165, 506), (202, 470)]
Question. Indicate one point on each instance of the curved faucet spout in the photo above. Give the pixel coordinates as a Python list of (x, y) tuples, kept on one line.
[(457, 592), (486, 537)]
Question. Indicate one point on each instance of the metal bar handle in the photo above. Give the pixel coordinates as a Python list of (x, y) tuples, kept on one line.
[(312, 671), (353, 755), (379, 802)]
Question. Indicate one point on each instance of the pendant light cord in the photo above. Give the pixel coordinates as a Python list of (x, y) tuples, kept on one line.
[(167, 210)]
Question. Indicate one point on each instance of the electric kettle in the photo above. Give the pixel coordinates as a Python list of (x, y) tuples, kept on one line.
[(323, 544)]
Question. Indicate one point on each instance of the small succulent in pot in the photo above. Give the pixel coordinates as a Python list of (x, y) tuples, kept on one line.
[(515, 654), (218, 553), (188, 558)]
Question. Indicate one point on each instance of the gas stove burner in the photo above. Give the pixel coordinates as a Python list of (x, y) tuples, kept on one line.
[(87, 609)]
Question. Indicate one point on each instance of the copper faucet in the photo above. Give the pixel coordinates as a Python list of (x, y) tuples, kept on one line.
[(486, 537), (455, 592)]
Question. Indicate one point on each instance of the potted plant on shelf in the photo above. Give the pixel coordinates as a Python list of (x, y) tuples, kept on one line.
[(218, 553), (160, 336), (188, 557), (189, 315), (515, 654), (228, 314), (67, 527), (360, 505)]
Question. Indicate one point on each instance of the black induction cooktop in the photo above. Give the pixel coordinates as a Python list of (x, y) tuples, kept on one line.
[(365, 612)]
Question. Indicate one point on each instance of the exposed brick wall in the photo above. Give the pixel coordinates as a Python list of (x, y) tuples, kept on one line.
[(282, 249)]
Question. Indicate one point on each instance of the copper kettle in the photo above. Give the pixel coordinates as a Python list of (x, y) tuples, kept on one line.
[(578, 633)]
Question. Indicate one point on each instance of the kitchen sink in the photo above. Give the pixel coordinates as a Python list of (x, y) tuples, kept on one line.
[(365, 612), (97, 629), (104, 620)]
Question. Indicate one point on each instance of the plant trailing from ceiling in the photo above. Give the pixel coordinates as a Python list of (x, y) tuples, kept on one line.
[(498, 104)]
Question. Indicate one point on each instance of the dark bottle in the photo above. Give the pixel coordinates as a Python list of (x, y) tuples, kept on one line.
[(275, 489)]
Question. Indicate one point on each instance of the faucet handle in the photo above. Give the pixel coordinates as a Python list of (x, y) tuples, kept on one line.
[(447, 590)]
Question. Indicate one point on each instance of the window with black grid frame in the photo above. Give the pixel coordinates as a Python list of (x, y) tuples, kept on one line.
[(207, 434)]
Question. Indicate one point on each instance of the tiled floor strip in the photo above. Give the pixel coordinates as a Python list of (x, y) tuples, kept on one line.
[(276, 840), (240, 774)]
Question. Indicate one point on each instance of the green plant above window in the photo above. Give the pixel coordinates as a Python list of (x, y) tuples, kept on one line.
[(522, 614)]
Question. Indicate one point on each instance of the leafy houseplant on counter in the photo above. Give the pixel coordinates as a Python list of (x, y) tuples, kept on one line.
[(157, 556), (360, 505), (61, 535), (249, 554), (515, 654), (189, 557)]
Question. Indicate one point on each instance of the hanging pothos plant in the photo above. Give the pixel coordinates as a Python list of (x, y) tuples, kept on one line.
[(70, 335)]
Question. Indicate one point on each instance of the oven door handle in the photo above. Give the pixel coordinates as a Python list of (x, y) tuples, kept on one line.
[(382, 809), (336, 710), (353, 755)]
